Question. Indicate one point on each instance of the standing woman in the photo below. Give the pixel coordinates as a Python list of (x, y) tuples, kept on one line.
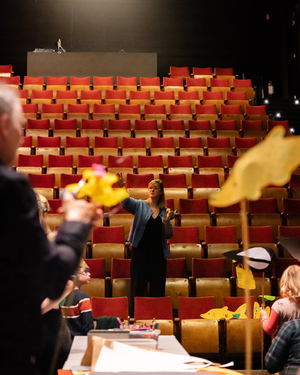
[(149, 233)]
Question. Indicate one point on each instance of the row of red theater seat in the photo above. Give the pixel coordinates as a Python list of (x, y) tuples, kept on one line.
[(7, 71), (199, 209), (134, 98), (119, 143), (196, 237), (211, 127), (208, 171), (177, 268), (122, 138), (210, 226), (175, 71), (164, 109), (204, 272), (174, 175), (206, 80), (194, 95)]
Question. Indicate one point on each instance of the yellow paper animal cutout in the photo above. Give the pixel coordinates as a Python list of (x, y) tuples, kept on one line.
[(271, 162), (97, 185), (224, 313)]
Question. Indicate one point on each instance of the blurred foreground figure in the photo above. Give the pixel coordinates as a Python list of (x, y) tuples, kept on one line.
[(31, 267), (284, 353), (57, 341)]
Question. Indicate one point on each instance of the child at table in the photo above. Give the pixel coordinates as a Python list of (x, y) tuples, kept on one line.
[(77, 306)]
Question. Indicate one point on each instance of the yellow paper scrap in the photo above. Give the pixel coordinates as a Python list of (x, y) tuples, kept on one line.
[(245, 279)]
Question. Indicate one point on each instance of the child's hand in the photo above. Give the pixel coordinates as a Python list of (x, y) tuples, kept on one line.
[(263, 313)]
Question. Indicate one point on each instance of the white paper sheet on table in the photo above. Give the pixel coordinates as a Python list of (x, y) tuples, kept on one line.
[(127, 358)]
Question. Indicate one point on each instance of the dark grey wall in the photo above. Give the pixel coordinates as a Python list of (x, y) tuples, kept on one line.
[(182, 32)]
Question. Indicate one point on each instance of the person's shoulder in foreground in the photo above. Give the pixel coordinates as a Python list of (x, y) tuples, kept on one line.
[(284, 353)]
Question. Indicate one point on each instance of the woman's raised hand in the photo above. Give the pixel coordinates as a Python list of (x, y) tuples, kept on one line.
[(170, 214), (120, 181)]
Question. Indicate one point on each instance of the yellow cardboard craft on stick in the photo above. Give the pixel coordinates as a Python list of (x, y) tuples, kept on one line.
[(271, 162), (96, 184)]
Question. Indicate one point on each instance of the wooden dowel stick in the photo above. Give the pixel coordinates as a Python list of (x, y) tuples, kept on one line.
[(245, 240)]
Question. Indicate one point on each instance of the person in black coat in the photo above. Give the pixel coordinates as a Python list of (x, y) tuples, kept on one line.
[(31, 267)]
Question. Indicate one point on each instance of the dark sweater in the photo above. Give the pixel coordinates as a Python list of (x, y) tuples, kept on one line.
[(31, 268), (285, 349), (78, 312)]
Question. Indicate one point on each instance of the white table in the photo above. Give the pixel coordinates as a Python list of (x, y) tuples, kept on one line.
[(166, 343)]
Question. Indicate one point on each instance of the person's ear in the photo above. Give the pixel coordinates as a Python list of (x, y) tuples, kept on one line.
[(5, 125)]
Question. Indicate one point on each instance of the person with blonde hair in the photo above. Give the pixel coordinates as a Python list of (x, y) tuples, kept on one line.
[(286, 308), (149, 233)]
